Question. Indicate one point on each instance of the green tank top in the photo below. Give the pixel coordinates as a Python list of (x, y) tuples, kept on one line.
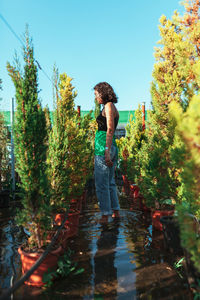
[(100, 142)]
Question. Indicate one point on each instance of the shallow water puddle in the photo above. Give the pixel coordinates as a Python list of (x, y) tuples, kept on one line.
[(122, 260)]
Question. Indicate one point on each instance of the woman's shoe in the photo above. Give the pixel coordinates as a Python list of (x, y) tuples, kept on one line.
[(116, 215)]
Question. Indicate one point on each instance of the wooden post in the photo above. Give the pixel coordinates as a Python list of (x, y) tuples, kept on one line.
[(12, 148), (79, 112), (143, 115)]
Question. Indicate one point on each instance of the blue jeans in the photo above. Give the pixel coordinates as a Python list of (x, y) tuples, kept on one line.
[(105, 183)]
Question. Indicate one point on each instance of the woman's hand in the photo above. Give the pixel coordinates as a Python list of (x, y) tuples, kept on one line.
[(109, 162)]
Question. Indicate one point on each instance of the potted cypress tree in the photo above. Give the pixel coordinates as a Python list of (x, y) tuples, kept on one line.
[(59, 142), (123, 158), (186, 149), (134, 136), (173, 80), (156, 183), (30, 139), (188, 206), (70, 152), (128, 149)]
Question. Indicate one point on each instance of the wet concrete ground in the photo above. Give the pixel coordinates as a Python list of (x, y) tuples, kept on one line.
[(124, 260)]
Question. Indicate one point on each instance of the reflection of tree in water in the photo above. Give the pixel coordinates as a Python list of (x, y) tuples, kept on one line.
[(76, 286), (155, 277), (105, 271), (10, 237), (145, 243)]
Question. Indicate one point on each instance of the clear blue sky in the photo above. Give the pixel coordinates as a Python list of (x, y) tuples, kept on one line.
[(90, 40)]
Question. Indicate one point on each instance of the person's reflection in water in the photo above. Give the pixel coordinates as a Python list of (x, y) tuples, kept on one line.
[(105, 271)]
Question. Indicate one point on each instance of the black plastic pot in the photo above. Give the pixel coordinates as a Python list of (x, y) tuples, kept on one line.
[(171, 234), (4, 198)]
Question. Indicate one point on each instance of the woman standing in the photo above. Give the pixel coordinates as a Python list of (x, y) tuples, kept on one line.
[(106, 152)]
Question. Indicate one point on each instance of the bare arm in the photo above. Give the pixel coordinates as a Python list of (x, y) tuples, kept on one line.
[(110, 124), (110, 130)]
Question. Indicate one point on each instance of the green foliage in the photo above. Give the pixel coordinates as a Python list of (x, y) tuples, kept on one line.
[(196, 290), (4, 155), (59, 139), (188, 130), (70, 147), (174, 79), (65, 267), (30, 139), (128, 146), (179, 59), (48, 120), (157, 181), (178, 264), (173, 73), (97, 109), (135, 135)]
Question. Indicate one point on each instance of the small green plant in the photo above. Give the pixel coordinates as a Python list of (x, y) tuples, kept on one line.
[(197, 296), (178, 264), (65, 267)]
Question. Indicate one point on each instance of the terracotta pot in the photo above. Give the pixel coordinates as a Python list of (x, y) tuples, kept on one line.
[(71, 224), (28, 259), (157, 214)]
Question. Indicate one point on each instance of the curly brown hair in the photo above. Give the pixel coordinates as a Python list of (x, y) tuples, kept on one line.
[(106, 91)]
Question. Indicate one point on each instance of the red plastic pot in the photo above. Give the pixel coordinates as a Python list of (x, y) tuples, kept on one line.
[(29, 258), (157, 214), (134, 191)]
